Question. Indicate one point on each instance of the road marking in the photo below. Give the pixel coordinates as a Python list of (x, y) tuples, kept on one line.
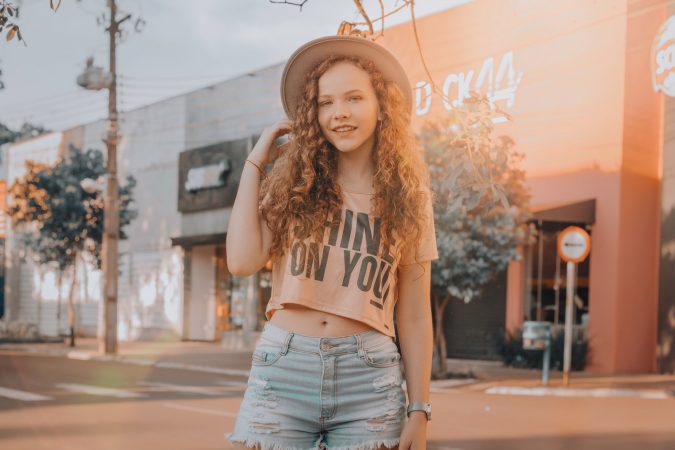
[(440, 384), (199, 410), (197, 368), (22, 395), (182, 388), (570, 392), (232, 385), (96, 390)]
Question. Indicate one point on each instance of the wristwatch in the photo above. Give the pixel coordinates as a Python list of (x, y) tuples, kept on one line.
[(419, 406)]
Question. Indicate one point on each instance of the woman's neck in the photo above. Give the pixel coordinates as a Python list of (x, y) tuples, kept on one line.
[(355, 171)]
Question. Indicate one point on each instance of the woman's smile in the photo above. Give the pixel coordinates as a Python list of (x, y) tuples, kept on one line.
[(345, 130)]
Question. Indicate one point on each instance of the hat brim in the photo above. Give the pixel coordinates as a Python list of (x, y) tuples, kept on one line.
[(313, 52)]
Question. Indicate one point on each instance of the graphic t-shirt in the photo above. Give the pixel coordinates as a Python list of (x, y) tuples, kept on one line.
[(348, 274)]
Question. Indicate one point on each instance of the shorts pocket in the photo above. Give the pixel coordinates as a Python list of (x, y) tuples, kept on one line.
[(382, 356), (266, 353)]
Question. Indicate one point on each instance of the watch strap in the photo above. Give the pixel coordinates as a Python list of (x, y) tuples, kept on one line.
[(419, 406)]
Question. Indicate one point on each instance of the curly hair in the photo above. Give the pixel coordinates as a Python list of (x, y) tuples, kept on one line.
[(302, 189)]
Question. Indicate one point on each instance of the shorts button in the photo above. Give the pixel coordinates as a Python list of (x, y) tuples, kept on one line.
[(324, 346)]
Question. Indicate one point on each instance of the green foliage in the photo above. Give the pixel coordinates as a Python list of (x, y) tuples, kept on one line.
[(56, 217), (481, 201), (510, 347), (26, 131)]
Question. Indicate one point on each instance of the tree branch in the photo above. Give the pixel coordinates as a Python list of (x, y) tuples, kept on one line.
[(300, 4), (364, 15)]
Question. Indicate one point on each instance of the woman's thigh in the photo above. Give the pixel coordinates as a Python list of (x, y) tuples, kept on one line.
[(281, 404), (370, 401)]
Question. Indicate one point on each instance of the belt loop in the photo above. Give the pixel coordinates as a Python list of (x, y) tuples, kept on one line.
[(359, 345), (287, 342)]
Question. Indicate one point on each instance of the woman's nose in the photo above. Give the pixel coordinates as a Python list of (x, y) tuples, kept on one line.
[(341, 110)]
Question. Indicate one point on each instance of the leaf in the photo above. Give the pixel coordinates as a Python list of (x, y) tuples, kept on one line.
[(54, 6), (503, 199), (12, 32)]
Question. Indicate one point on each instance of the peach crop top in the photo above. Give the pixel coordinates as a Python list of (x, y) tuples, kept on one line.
[(347, 274)]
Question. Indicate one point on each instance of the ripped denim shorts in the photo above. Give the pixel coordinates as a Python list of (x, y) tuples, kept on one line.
[(310, 392)]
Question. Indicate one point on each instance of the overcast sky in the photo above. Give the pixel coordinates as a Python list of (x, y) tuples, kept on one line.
[(183, 46)]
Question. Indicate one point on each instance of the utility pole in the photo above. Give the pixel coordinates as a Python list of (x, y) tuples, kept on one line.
[(95, 78), (108, 345)]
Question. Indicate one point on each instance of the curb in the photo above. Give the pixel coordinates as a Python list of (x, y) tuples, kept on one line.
[(650, 394)]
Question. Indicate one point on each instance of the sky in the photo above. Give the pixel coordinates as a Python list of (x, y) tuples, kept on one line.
[(181, 47)]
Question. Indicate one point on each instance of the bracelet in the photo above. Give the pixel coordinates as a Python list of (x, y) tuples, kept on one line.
[(262, 172)]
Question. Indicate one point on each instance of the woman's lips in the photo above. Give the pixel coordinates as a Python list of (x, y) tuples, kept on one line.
[(344, 133)]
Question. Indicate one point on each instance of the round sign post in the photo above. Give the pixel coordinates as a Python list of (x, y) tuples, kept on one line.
[(574, 245)]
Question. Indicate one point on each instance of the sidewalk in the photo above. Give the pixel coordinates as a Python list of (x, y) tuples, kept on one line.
[(489, 377)]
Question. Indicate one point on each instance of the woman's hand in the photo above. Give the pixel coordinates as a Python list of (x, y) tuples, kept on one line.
[(265, 149), (414, 434)]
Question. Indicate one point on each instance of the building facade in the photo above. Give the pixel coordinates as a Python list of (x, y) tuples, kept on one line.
[(584, 82)]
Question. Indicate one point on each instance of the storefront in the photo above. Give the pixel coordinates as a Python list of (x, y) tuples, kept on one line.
[(214, 300), (577, 79)]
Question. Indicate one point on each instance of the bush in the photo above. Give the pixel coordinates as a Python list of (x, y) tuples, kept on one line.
[(510, 348)]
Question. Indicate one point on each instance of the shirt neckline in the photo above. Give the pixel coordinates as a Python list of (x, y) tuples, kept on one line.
[(357, 193)]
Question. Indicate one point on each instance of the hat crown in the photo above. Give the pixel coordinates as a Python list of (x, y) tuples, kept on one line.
[(312, 53)]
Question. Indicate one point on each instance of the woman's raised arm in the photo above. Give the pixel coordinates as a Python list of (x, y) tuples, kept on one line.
[(248, 238)]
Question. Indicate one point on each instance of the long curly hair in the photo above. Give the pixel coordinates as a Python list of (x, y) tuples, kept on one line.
[(301, 192)]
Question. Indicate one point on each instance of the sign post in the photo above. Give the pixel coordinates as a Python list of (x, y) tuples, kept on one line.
[(574, 245)]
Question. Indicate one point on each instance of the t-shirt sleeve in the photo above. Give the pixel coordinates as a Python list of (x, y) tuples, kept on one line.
[(427, 249)]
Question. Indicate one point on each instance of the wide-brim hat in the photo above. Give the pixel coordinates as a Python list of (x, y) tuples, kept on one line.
[(313, 52)]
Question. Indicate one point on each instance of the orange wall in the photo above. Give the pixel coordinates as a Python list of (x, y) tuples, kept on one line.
[(589, 124), (637, 302), (567, 106)]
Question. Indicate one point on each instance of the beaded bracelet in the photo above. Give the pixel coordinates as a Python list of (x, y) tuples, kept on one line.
[(262, 172)]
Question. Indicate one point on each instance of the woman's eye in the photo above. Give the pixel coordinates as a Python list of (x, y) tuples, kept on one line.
[(324, 103), (355, 98)]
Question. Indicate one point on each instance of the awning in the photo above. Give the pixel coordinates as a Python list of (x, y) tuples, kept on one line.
[(578, 212), (200, 239)]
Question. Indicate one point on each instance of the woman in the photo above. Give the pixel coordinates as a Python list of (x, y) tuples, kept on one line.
[(346, 216)]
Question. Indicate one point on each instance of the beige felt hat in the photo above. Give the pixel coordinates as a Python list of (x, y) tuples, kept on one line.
[(313, 52)]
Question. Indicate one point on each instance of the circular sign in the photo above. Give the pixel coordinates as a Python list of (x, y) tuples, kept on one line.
[(574, 244)]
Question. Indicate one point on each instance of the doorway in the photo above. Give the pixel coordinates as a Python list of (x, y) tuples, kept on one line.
[(546, 278)]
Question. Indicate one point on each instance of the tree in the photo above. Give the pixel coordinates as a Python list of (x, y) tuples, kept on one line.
[(481, 207), (27, 131), (57, 219)]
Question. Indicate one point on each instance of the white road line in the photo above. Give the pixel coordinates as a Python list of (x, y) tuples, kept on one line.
[(571, 392), (232, 385), (22, 395), (199, 410), (197, 368), (181, 388), (96, 390)]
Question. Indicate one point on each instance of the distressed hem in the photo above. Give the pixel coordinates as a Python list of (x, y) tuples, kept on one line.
[(264, 444), (370, 445)]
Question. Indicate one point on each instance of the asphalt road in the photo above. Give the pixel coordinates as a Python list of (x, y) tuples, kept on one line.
[(58, 403)]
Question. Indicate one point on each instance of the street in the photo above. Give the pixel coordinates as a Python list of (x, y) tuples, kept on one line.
[(51, 402)]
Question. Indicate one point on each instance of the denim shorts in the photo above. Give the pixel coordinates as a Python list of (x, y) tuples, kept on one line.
[(311, 392)]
